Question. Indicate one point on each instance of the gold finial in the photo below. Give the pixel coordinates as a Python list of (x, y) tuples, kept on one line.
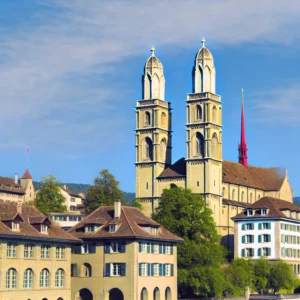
[(203, 42), (152, 50)]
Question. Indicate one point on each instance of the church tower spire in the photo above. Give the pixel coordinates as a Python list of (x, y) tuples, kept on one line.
[(243, 156)]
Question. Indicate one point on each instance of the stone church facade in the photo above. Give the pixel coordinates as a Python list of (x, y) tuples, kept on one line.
[(227, 187)]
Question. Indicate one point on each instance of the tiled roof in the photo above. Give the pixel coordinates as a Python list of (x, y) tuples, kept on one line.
[(8, 210), (275, 207), (129, 221), (266, 179), (71, 193), (235, 203), (26, 175), (9, 186), (178, 169)]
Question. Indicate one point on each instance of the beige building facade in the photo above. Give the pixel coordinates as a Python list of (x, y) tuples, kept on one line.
[(35, 255), (227, 187), (124, 255)]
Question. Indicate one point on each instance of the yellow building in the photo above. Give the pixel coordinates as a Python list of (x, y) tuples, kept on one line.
[(124, 255), (35, 255), (226, 186)]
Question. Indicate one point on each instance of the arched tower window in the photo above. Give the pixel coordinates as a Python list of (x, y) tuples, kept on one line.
[(199, 144), (163, 119), (155, 87), (214, 114), (163, 150), (214, 143), (198, 112), (207, 79), (173, 186), (242, 197), (148, 149), (233, 195), (147, 118)]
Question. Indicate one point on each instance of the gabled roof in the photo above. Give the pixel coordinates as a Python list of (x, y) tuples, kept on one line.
[(178, 169), (9, 186), (129, 222), (235, 203), (275, 207), (71, 193), (26, 175), (30, 215)]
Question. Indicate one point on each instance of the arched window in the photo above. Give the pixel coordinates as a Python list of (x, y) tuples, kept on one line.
[(232, 198), (242, 197), (163, 119), (155, 87), (223, 192), (144, 294), (156, 294), (60, 298), (198, 112), (207, 79), (199, 144), (11, 279), (214, 114), (163, 149), (147, 118), (148, 149), (214, 143), (86, 270), (168, 295), (59, 278), (44, 278), (250, 197), (173, 186), (28, 278)]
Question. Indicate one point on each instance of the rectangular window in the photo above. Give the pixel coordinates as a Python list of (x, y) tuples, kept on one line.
[(116, 247), (90, 228), (45, 251), (155, 269), (266, 238), (266, 251), (112, 227), (11, 250), (155, 248), (143, 269), (72, 199), (28, 251), (88, 248), (249, 226), (60, 252), (44, 228), (15, 226), (143, 247), (266, 225), (167, 249), (249, 239), (263, 212), (115, 269), (248, 252)]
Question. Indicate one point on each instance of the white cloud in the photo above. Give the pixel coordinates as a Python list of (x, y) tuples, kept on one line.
[(46, 70)]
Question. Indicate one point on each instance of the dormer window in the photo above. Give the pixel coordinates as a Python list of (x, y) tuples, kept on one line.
[(15, 226), (112, 228), (249, 212), (154, 230), (263, 211), (90, 228), (44, 228)]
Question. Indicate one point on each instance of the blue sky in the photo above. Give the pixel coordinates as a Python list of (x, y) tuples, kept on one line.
[(70, 74)]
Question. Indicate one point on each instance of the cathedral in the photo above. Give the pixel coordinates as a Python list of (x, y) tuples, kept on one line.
[(226, 186)]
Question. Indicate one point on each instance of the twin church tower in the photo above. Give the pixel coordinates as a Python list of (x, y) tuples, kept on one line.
[(201, 170), (227, 187)]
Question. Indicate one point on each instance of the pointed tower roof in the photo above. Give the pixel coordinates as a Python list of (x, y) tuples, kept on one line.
[(203, 53), (243, 155), (153, 61), (26, 175)]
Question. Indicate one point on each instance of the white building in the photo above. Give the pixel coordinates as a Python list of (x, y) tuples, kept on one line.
[(269, 228)]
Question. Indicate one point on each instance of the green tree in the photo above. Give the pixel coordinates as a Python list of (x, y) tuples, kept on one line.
[(239, 274), (48, 198), (261, 275), (136, 203), (104, 191), (281, 277), (201, 255)]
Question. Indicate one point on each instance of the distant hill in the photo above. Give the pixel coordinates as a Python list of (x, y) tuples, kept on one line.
[(83, 188), (296, 201)]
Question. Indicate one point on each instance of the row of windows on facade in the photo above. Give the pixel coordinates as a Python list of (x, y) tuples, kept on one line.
[(289, 252), (148, 149), (120, 247), (251, 226), (148, 122), (242, 196), (94, 228), (198, 113), (66, 218), (28, 278), (262, 238), (29, 251), (250, 252), (290, 227), (156, 294), (290, 239), (15, 226)]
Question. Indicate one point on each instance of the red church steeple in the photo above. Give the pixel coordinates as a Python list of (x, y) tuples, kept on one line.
[(243, 157)]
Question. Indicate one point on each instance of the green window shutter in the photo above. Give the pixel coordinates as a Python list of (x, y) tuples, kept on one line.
[(243, 227), (252, 238), (243, 239), (243, 252), (149, 269), (107, 269), (140, 269), (259, 226), (259, 252), (171, 249), (259, 238), (148, 248), (160, 249), (172, 270), (269, 237), (269, 251), (123, 269), (160, 269), (140, 247), (269, 225)]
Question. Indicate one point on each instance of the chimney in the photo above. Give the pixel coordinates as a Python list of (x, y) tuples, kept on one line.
[(117, 208), (19, 207), (16, 178), (65, 187)]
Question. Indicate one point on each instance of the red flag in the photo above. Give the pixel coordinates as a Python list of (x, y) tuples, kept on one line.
[(27, 149)]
